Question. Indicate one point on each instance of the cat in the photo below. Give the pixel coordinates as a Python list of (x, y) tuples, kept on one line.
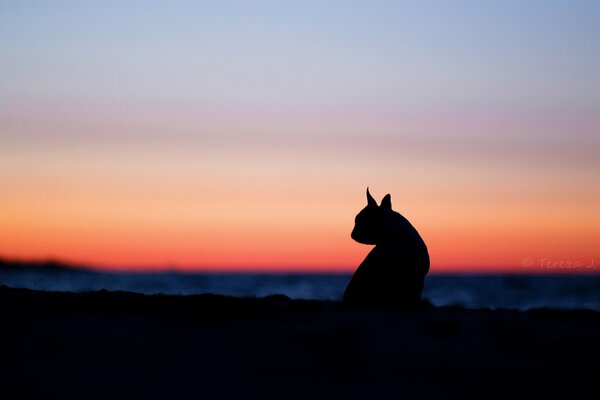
[(393, 273)]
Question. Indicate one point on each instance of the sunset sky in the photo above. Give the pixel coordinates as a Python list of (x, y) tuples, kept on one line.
[(242, 135)]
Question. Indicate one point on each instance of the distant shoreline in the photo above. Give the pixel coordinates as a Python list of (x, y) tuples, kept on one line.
[(51, 264)]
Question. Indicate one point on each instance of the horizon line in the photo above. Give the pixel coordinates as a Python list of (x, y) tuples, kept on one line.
[(293, 269)]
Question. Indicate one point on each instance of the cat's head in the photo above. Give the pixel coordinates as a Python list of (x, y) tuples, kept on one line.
[(369, 223)]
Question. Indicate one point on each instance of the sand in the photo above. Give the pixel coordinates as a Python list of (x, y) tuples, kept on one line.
[(118, 344)]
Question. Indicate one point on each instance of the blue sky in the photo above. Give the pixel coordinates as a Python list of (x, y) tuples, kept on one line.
[(433, 53)]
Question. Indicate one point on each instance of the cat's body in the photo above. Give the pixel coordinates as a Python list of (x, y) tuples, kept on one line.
[(393, 272)]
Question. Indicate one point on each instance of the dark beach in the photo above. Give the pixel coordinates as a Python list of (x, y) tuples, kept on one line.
[(118, 344)]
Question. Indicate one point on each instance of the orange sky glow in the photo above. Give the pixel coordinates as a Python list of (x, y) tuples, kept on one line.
[(244, 141)]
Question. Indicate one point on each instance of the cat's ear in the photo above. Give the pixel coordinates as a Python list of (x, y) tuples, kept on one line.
[(387, 202), (370, 200)]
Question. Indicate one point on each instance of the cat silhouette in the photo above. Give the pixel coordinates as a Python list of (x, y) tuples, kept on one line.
[(393, 273)]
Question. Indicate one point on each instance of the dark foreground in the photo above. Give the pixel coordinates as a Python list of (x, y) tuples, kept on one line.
[(123, 345)]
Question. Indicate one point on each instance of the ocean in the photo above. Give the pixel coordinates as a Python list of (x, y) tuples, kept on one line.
[(521, 292)]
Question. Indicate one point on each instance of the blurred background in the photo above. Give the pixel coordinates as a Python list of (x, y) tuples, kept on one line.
[(241, 136)]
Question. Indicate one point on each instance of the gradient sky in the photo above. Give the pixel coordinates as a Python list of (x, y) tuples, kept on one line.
[(242, 135)]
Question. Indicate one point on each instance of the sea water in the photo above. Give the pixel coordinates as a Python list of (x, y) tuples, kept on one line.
[(471, 291)]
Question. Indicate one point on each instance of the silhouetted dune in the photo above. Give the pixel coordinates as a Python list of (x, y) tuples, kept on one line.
[(118, 344)]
